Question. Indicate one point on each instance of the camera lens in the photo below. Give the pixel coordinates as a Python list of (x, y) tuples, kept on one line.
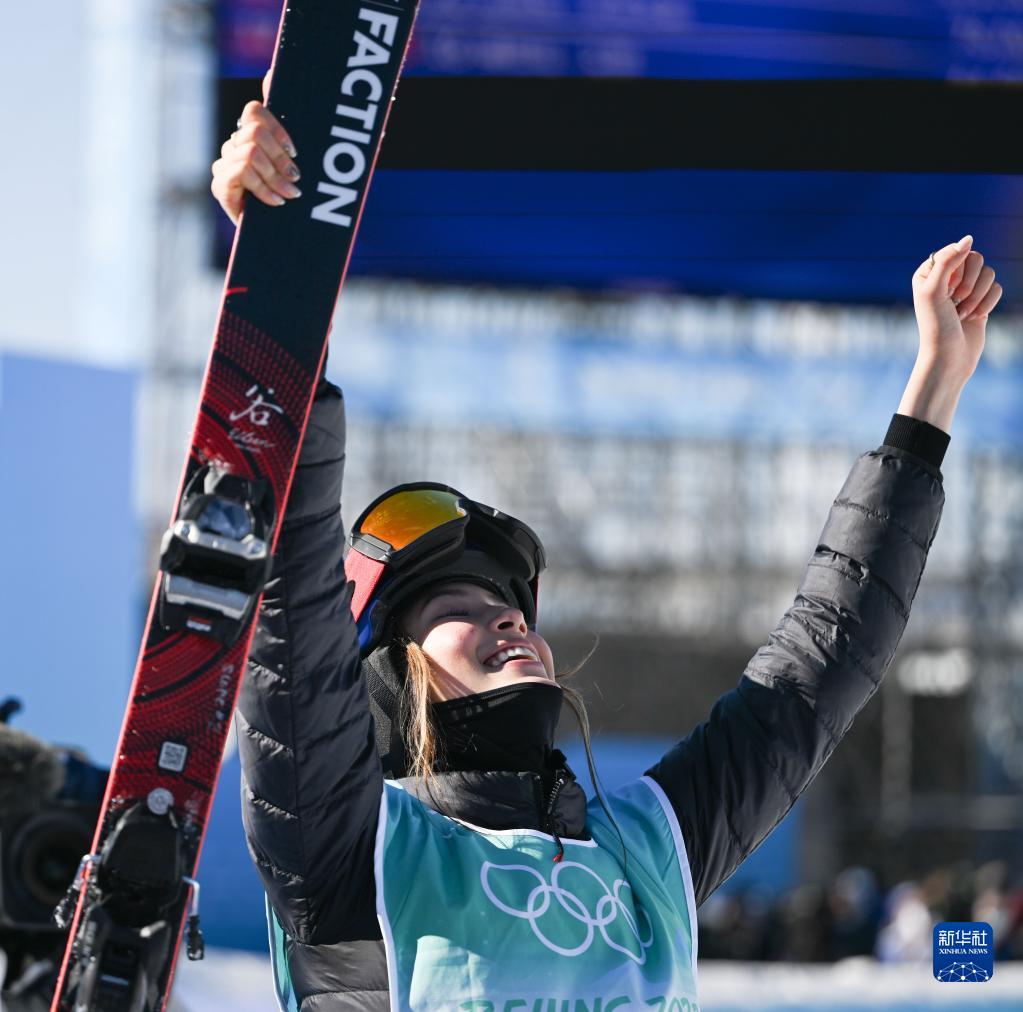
[(40, 858), (50, 861)]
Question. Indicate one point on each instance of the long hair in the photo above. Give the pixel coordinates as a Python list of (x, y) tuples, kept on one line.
[(421, 741)]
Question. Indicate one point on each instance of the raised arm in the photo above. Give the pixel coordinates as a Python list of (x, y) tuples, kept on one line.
[(737, 774), (311, 779)]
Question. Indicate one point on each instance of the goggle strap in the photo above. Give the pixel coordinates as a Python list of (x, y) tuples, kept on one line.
[(366, 574)]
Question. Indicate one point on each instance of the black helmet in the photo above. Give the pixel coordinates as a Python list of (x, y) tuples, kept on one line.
[(418, 534)]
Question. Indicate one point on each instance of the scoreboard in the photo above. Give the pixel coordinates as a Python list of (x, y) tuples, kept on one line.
[(787, 149), (707, 39)]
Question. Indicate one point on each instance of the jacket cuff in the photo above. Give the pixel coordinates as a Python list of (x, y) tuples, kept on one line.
[(922, 439)]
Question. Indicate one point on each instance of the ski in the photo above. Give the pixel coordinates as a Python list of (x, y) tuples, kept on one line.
[(335, 69)]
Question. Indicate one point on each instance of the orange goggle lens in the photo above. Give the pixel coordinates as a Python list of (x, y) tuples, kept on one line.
[(405, 516)]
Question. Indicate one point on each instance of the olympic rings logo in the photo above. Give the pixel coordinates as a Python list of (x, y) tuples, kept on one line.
[(610, 907)]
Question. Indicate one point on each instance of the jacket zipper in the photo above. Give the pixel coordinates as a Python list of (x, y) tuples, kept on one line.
[(548, 814)]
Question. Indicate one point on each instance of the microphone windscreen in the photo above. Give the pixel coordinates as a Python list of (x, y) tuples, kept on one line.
[(31, 772)]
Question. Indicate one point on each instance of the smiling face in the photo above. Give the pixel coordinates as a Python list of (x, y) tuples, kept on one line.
[(475, 640)]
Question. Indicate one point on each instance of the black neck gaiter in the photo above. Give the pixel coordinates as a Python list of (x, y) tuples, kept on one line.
[(510, 728)]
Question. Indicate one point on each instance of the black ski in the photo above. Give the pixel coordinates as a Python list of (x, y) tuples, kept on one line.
[(335, 70)]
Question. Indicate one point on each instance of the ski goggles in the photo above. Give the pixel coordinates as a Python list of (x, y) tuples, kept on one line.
[(422, 533)]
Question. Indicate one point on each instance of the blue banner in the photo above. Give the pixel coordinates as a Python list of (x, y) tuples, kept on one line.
[(456, 368)]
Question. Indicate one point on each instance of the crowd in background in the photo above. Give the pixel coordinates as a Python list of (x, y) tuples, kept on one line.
[(853, 916)]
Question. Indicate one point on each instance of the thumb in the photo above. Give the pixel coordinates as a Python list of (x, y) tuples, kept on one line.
[(935, 274)]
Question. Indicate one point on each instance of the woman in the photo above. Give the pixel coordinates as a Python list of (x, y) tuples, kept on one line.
[(495, 885)]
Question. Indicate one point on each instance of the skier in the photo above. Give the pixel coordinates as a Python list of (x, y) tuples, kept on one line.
[(476, 876)]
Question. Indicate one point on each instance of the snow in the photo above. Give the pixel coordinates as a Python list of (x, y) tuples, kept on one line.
[(227, 980)]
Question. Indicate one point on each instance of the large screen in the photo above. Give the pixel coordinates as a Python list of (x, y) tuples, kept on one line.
[(678, 174), (711, 39), (832, 236)]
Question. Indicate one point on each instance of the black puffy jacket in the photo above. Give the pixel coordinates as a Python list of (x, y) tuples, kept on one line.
[(311, 778)]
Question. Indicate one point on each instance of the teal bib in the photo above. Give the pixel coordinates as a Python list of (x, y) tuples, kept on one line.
[(479, 920)]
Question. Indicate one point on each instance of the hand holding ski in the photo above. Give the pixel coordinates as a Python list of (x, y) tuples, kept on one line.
[(258, 158)]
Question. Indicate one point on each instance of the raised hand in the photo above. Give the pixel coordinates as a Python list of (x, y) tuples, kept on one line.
[(258, 158), (954, 292)]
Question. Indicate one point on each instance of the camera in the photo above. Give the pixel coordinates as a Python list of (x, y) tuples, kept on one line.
[(39, 855), (49, 805)]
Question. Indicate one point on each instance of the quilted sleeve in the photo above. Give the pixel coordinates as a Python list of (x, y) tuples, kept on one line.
[(311, 779), (734, 777)]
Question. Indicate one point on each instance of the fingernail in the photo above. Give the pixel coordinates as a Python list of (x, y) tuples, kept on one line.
[(292, 170), (967, 240), (276, 199), (290, 149), (292, 191)]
